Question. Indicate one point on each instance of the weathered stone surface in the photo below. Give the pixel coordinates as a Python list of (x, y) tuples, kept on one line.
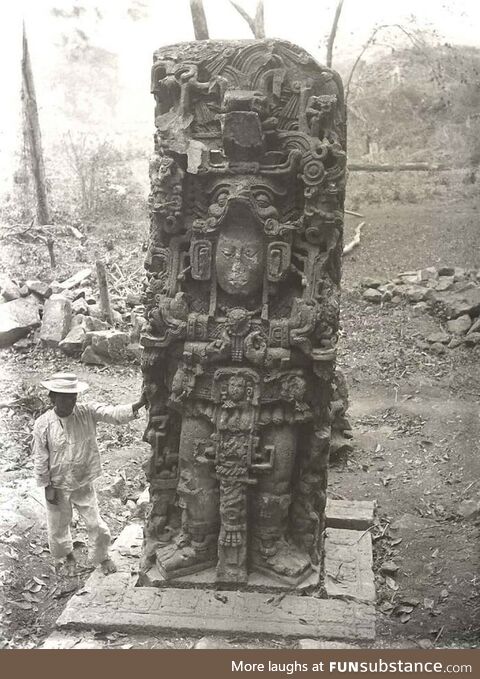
[(415, 293), (472, 339), (371, 283), (64, 640), (475, 327), (80, 320), (389, 567), (80, 306), (350, 514), (408, 278), (74, 342), (438, 348), (373, 296), (151, 610), (455, 342), (24, 345), (109, 344), (419, 308), (459, 273), (207, 579), (86, 293), (469, 509), (390, 288), (143, 502), (144, 497), (17, 318), (133, 299), (54, 288), (117, 487), (95, 310), (446, 271), (8, 289), (348, 565), (90, 357), (117, 317), (38, 288), (428, 274), (94, 324), (56, 320), (460, 325), (444, 283), (114, 603), (208, 643), (439, 338), (317, 645), (421, 344), (457, 304)]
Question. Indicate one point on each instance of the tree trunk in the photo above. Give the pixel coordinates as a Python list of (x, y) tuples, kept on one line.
[(103, 288), (33, 134), (199, 19), (333, 33)]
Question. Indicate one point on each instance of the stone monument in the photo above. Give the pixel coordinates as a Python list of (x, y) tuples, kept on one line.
[(242, 306)]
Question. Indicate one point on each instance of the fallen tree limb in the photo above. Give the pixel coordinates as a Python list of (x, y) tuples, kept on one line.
[(355, 240), (402, 167), (355, 214)]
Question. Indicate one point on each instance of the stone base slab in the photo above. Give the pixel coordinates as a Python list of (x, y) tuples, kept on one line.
[(349, 565), (207, 579), (350, 514), (115, 603), (148, 610)]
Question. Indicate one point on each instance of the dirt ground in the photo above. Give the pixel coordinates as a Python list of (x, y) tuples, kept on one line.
[(416, 425)]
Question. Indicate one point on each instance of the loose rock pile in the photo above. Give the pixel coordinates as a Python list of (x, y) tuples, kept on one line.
[(452, 293), (68, 316)]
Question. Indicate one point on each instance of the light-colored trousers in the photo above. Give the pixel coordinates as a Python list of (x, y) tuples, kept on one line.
[(59, 518)]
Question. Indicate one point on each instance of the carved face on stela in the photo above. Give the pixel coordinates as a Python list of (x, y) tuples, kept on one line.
[(241, 209), (240, 258)]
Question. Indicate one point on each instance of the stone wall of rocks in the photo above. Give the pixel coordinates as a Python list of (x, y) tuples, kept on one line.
[(67, 316), (451, 293)]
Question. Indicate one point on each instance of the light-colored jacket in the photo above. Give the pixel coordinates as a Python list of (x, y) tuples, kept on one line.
[(65, 448)]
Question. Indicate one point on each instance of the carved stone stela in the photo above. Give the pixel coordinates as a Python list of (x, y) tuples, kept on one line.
[(242, 304)]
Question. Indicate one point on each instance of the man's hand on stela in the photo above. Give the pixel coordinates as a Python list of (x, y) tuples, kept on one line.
[(140, 404), (51, 495)]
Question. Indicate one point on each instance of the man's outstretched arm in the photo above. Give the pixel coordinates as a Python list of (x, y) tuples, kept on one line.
[(116, 414)]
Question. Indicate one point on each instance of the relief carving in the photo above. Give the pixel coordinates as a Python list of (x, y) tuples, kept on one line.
[(242, 304)]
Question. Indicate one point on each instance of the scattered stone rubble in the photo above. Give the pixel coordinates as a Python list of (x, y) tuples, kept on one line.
[(67, 316), (451, 293)]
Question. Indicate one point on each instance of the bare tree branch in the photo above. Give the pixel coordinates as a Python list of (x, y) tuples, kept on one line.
[(257, 23), (199, 19), (419, 44), (333, 33)]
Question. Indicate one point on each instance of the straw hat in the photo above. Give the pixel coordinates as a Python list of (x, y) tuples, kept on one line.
[(64, 383)]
